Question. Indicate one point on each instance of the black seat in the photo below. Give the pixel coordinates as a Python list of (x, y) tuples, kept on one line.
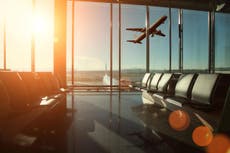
[(5, 108), (154, 82), (17, 91), (159, 84), (182, 90), (33, 84), (203, 92), (144, 83)]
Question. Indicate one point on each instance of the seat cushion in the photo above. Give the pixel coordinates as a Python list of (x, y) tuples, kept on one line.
[(176, 100)]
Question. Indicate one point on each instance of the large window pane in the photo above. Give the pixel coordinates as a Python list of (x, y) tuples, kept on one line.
[(43, 31), (116, 41), (195, 40), (133, 55), (1, 37), (92, 41), (18, 35), (159, 46), (222, 42), (175, 40), (69, 44)]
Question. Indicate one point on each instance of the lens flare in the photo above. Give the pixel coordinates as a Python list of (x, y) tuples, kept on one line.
[(179, 120), (202, 136), (219, 144)]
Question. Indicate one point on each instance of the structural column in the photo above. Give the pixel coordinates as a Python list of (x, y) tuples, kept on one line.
[(60, 40)]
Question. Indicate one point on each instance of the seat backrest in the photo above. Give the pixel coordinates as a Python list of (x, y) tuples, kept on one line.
[(204, 87), (145, 79), (155, 79), (5, 108), (224, 124), (49, 82), (32, 83), (17, 91), (164, 81), (184, 85)]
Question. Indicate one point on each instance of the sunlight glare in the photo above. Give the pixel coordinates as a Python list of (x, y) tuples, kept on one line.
[(40, 24)]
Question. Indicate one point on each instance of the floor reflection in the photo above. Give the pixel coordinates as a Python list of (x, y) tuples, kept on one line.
[(94, 122)]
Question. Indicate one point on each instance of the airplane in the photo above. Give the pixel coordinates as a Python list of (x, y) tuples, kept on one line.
[(152, 30)]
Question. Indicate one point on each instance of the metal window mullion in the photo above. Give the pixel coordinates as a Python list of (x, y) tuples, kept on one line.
[(213, 41), (73, 40), (4, 44), (147, 38), (119, 44), (170, 39), (111, 46), (180, 40)]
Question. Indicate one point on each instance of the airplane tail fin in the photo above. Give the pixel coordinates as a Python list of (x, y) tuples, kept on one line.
[(133, 41)]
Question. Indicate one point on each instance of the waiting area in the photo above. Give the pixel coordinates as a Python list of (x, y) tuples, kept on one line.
[(37, 115)]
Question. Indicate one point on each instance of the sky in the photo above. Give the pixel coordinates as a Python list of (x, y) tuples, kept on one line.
[(92, 36)]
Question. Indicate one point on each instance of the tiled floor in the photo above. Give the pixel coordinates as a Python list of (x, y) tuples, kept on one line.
[(97, 122)]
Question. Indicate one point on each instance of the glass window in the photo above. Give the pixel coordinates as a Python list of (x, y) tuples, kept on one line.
[(18, 35), (222, 42), (92, 43), (175, 40), (43, 31), (1, 38), (195, 41), (116, 41), (69, 44), (133, 54), (159, 46)]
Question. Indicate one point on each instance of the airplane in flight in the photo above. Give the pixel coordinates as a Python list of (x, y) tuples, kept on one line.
[(152, 30)]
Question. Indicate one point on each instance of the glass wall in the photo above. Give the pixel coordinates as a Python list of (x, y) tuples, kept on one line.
[(1, 39), (195, 41), (44, 35), (175, 40), (92, 43), (21, 23), (222, 42), (18, 35), (133, 57), (115, 41), (159, 46), (69, 43)]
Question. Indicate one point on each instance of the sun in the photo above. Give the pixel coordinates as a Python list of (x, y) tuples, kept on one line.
[(40, 24)]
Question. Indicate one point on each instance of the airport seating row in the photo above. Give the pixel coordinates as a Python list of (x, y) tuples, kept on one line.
[(24, 97), (204, 94)]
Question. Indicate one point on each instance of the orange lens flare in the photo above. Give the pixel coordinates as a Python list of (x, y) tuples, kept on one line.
[(179, 120), (219, 144), (202, 136)]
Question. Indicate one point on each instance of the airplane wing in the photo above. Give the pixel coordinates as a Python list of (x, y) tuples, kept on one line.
[(136, 29), (134, 41), (158, 32)]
